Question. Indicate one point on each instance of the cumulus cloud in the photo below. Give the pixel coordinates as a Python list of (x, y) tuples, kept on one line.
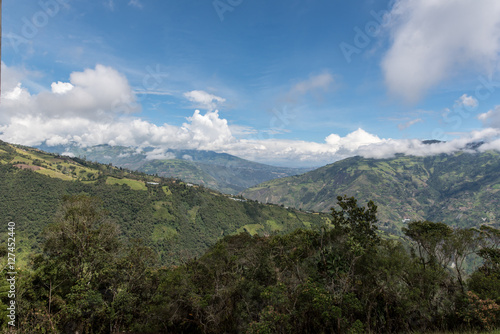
[(469, 102), (491, 118), (204, 100), (202, 132), (359, 142), (431, 40), (391, 147), (61, 87), (208, 128), (83, 112), (96, 107), (14, 94), (352, 141), (99, 93)]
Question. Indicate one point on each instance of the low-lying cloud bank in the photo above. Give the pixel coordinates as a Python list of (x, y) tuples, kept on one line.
[(97, 106)]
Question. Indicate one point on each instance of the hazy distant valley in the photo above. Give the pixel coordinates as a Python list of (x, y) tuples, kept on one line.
[(219, 171), (459, 189)]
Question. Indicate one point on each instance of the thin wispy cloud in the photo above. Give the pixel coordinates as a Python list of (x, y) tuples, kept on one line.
[(321, 82), (110, 4), (406, 125), (152, 92), (204, 100), (136, 3)]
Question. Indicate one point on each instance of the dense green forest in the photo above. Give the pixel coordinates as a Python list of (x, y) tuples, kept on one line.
[(338, 278), (177, 219), (101, 249), (460, 189)]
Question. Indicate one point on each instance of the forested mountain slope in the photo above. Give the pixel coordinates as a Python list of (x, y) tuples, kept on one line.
[(460, 189), (176, 219), (219, 171)]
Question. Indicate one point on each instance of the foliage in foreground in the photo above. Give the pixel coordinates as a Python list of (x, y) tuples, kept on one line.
[(338, 279)]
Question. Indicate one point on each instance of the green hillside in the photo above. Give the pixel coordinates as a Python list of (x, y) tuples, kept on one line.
[(460, 189), (219, 171), (177, 219), (96, 268)]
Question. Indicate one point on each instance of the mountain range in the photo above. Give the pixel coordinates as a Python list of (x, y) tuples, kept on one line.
[(460, 189), (177, 219), (219, 171)]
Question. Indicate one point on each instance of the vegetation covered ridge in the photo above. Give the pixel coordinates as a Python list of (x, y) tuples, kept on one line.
[(338, 278), (459, 189), (177, 219), (219, 171)]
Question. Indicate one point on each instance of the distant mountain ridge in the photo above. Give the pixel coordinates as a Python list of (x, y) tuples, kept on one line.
[(459, 189), (176, 219), (219, 171)]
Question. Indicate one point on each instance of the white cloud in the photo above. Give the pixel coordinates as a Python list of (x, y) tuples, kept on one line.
[(135, 3), (204, 100), (14, 94), (208, 129), (159, 154), (491, 118), (61, 87), (389, 148), (99, 93), (202, 132), (314, 83), (11, 77), (493, 145), (353, 140), (110, 4), (241, 130), (359, 142), (84, 112), (409, 123), (469, 102), (432, 40)]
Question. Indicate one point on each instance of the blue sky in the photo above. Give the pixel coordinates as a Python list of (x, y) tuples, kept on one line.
[(295, 82)]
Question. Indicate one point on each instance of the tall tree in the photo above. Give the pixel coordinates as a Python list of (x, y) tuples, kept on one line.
[(79, 264)]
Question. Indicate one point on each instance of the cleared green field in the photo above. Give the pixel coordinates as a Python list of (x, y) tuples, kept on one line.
[(274, 226), (135, 185), (253, 229), (55, 174)]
